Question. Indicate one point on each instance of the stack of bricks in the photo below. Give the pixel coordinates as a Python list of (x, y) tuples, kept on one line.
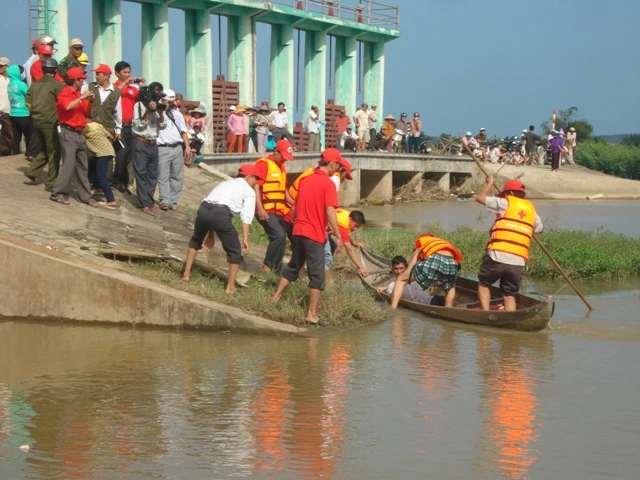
[(225, 94), (300, 138), (331, 132)]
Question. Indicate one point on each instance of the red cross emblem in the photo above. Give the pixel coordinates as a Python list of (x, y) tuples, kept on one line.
[(521, 214)]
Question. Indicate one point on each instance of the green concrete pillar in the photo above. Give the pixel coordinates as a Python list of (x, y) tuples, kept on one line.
[(346, 79), (107, 32), (58, 24), (281, 74), (373, 91), (315, 74), (241, 56), (155, 43), (199, 63)]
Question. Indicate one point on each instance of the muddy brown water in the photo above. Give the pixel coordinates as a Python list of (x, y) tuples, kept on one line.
[(411, 398)]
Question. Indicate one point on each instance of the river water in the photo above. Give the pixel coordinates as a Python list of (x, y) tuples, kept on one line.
[(411, 398)]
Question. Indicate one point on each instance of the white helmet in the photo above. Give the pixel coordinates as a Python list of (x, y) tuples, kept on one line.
[(46, 40)]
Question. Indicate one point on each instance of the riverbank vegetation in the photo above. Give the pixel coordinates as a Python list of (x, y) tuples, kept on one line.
[(341, 305), (581, 254), (621, 160)]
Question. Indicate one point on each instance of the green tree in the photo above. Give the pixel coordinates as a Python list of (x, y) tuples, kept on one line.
[(584, 129), (632, 140), (563, 119)]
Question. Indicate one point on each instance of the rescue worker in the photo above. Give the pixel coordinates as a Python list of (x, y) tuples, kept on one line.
[(273, 200), (508, 249), (434, 260), (41, 100), (348, 222)]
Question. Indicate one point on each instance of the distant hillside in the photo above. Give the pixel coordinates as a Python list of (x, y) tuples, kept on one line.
[(617, 138)]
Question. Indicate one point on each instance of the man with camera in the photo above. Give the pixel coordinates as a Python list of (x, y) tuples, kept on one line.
[(148, 120), (173, 153)]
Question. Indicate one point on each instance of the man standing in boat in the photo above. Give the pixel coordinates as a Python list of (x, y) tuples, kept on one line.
[(433, 261), (508, 249)]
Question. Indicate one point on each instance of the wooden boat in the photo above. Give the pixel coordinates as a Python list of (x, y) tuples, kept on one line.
[(532, 314)]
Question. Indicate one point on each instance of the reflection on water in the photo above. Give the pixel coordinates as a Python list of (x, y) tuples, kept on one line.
[(405, 398)]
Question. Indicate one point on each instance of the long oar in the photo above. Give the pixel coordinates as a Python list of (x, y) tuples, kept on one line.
[(544, 249)]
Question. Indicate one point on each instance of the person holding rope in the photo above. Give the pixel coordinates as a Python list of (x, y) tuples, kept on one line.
[(508, 249)]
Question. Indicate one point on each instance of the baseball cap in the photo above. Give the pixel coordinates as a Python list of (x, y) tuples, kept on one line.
[(35, 43), (76, 42), (102, 68), (248, 169), (45, 49), (344, 163), (4, 61), (83, 59), (169, 93), (232, 108), (332, 155), (285, 148), (75, 73)]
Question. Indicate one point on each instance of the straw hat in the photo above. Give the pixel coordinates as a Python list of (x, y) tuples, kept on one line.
[(389, 117)]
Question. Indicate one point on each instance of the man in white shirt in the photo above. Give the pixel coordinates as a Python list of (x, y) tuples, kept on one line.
[(361, 120), (412, 292), (313, 119), (348, 140), (373, 126), (31, 60), (229, 199), (173, 153), (280, 124)]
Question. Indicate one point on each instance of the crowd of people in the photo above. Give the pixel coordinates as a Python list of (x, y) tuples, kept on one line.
[(526, 150), (105, 133)]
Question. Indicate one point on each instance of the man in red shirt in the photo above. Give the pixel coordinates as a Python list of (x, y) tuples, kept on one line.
[(124, 157), (44, 51), (342, 122), (313, 209), (73, 109)]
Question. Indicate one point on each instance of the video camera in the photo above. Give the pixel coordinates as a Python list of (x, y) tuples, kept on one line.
[(147, 95)]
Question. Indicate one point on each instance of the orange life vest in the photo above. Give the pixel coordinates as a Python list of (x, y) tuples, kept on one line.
[(512, 232), (428, 245), (337, 174), (293, 189), (274, 188)]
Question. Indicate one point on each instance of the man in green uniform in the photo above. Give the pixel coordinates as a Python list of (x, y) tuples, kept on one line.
[(76, 48), (41, 101)]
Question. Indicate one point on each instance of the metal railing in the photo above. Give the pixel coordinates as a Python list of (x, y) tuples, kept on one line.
[(368, 12)]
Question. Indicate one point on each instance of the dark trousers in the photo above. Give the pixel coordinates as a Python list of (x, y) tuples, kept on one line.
[(304, 250), (74, 152), (102, 177), (124, 158), (21, 126), (276, 230), (145, 166), (555, 160), (6, 135), (217, 218), (47, 136), (414, 144), (372, 139), (280, 133)]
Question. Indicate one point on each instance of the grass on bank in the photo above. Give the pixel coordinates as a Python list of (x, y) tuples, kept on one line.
[(610, 158), (581, 254), (341, 305)]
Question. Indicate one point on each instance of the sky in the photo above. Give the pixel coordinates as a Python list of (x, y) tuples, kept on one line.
[(463, 64)]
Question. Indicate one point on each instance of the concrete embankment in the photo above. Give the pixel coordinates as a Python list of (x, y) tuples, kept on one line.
[(67, 282)]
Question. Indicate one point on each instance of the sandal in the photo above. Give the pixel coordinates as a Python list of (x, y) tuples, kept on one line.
[(319, 323), (61, 201)]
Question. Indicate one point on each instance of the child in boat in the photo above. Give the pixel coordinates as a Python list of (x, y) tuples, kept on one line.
[(434, 261), (412, 291), (508, 249)]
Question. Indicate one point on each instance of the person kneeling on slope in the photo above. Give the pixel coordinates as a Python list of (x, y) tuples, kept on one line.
[(348, 222), (433, 260), (508, 249), (229, 199)]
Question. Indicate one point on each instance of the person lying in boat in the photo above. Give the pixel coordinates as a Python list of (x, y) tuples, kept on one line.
[(508, 248), (434, 260), (412, 291)]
